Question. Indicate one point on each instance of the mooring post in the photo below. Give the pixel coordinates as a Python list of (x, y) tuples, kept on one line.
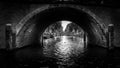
[(10, 37), (110, 36)]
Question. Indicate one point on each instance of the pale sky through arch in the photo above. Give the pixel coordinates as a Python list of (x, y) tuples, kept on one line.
[(64, 24)]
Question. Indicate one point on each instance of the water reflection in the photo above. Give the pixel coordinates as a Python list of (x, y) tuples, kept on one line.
[(63, 45)]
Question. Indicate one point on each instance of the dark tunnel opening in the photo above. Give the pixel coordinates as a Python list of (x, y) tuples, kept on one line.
[(32, 35), (49, 16), (41, 22)]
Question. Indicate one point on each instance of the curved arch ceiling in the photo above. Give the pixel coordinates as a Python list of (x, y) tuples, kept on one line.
[(65, 13)]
